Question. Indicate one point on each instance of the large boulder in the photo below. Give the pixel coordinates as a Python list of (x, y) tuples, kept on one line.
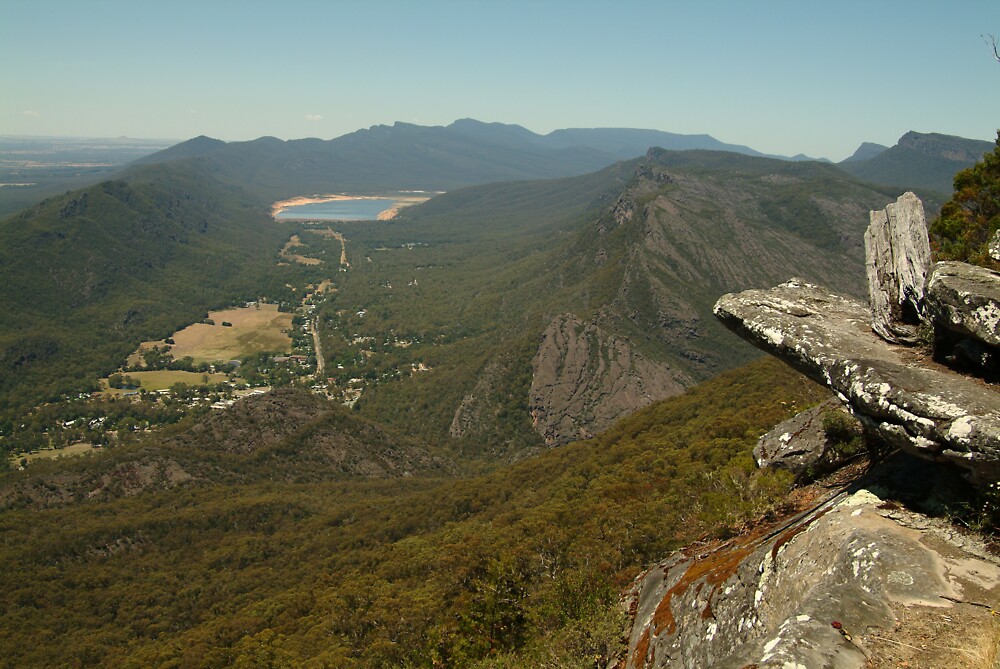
[(811, 443), (963, 303), (912, 403), (965, 299), (897, 259)]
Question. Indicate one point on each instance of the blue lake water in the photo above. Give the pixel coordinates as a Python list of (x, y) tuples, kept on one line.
[(338, 210)]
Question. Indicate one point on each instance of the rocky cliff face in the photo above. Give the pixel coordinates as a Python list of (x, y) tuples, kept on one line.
[(586, 379), (911, 402), (946, 147), (854, 580)]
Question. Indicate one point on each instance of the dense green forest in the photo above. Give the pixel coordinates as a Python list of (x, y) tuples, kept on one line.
[(124, 261), (520, 567), (471, 279)]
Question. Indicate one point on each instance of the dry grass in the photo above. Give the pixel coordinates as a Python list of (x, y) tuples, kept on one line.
[(254, 330), (162, 379), (52, 453), (295, 242)]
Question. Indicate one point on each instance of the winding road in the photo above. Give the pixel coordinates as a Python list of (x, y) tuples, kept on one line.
[(320, 363)]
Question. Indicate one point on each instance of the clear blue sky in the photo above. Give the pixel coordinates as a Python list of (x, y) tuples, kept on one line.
[(780, 76)]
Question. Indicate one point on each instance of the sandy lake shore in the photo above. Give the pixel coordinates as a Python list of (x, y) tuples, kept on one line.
[(398, 202)]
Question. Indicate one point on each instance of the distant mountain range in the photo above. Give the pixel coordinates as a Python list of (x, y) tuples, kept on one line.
[(406, 156), (917, 161)]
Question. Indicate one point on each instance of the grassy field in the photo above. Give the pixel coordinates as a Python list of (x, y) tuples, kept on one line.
[(295, 242), (161, 379), (253, 330), (51, 453)]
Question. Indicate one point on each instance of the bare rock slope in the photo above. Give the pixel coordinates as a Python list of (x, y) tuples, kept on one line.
[(856, 581), (585, 379)]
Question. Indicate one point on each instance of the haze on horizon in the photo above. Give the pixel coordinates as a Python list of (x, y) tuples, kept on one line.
[(783, 77)]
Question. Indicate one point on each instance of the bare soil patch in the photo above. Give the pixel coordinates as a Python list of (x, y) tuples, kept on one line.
[(294, 242)]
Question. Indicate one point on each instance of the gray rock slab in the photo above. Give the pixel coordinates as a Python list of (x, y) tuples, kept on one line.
[(770, 600), (965, 299), (913, 403)]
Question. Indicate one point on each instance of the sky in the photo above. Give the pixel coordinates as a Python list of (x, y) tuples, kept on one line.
[(780, 76)]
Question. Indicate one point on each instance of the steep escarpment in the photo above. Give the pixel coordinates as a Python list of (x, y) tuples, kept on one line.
[(683, 229), (585, 379), (919, 160)]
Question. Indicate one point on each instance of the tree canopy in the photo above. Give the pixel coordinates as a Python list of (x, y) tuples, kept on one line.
[(972, 216)]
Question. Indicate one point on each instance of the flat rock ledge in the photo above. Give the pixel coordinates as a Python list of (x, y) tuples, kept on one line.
[(916, 405)]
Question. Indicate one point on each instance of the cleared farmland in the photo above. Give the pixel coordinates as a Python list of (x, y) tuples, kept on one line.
[(257, 329)]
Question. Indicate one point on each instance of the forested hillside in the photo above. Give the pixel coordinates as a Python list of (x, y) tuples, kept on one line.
[(537, 312), (239, 567), (921, 161), (87, 275), (407, 156)]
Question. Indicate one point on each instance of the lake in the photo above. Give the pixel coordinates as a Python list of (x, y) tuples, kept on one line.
[(366, 209)]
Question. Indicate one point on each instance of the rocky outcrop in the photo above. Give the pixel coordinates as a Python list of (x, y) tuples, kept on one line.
[(965, 299), (585, 379), (897, 259), (812, 443), (995, 246), (963, 303), (854, 579), (913, 404)]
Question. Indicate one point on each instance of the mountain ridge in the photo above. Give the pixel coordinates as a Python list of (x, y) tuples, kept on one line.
[(409, 156), (922, 161)]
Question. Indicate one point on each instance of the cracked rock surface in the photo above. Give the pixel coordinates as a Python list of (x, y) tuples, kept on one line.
[(913, 404), (819, 591), (897, 259)]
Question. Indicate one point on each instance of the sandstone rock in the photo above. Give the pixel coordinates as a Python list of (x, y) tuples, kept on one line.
[(995, 246), (585, 379), (804, 446), (917, 406), (965, 299), (770, 599), (897, 258)]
